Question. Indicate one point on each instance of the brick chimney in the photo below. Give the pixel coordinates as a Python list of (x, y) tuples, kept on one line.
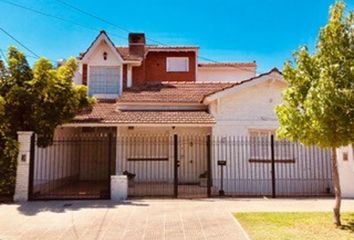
[(137, 44)]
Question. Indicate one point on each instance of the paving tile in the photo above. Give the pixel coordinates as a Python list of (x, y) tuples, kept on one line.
[(135, 219)]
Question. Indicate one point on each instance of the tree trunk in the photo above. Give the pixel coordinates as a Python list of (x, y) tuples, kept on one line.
[(337, 190)]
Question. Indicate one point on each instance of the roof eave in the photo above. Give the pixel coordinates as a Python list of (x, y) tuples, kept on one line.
[(217, 94)]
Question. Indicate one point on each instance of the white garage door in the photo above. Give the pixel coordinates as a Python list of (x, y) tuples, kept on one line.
[(104, 80)]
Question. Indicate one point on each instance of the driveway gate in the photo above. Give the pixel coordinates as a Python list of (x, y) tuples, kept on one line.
[(77, 167)]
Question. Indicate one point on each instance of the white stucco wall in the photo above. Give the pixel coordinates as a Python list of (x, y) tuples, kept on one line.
[(346, 170), (94, 57), (252, 108), (225, 74)]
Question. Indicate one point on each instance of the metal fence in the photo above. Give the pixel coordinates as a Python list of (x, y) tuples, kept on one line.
[(148, 163), (72, 167), (163, 166), (189, 166), (261, 166)]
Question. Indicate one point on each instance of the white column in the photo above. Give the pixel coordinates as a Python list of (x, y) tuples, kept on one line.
[(23, 169), (129, 77), (345, 158), (119, 187)]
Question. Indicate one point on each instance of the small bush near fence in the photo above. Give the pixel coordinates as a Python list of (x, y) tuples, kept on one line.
[(8, 163)]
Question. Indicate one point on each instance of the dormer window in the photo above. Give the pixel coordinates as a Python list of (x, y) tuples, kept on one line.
[(177, 64), (104, 81)]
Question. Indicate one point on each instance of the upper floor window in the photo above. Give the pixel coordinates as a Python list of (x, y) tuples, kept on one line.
[(177, 64), (104, 80)]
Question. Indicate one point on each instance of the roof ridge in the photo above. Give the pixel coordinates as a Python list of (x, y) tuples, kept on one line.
[(244, 81)]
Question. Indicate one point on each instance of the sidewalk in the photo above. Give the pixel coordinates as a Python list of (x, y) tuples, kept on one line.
[(142, 219)]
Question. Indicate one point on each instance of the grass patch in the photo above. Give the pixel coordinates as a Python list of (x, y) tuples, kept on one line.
[(296, 226)]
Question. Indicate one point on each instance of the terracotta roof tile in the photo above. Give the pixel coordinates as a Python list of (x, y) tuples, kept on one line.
[(171, 92), (274, 70), (106, 112), (124, 52)]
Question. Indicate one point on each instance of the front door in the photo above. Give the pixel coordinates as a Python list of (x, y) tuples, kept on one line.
[(192, 166)]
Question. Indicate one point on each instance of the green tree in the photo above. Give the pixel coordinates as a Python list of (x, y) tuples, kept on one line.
[(318, 105), (34, 99), (8, 154)]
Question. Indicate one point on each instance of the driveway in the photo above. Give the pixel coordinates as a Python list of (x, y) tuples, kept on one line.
[(142, 219)]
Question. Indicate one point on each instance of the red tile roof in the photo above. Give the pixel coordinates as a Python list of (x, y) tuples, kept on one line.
[(165, 92), (124, 50), (178, 92), (106, 112), (276, 70), (171, 92)]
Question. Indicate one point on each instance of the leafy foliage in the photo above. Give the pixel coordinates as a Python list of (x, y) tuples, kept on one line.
[(318, 105), (8, 156), (8, 163), (34, 99)]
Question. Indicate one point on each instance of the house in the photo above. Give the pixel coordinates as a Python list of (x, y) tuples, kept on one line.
[(165, 85), (175, 127)]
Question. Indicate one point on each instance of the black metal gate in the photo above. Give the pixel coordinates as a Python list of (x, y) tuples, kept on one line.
[(165, 166), (75, 167)]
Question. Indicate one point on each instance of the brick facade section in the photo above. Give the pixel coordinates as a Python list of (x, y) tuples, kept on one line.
[(84, 74), (125, 76), (153, 68), (137, 44)]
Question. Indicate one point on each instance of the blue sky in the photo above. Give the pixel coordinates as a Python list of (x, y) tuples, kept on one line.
[(267, 31)]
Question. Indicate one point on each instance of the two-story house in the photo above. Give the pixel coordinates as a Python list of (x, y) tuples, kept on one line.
[(148, 86), (170, 121)]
